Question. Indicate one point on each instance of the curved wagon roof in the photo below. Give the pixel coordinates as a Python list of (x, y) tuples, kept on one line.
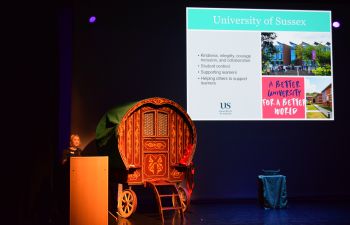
[(110, 128)]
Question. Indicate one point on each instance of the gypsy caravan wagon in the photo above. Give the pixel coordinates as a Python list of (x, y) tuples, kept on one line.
[(150, 142)]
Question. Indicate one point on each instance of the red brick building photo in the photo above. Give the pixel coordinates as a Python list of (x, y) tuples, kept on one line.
[(327, 96)]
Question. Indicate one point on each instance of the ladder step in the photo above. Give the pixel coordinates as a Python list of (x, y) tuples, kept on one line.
[(170, 195), (171, 208)]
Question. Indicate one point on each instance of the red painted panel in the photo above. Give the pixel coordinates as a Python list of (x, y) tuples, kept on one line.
[(155, 165)]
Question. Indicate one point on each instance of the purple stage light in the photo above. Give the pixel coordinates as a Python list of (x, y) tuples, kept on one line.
[(92, 19), (336, 24)]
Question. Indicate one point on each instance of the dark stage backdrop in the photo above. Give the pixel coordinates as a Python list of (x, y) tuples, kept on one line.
[(136, 51)]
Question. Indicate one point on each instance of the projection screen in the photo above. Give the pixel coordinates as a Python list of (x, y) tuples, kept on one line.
[(259, 64)]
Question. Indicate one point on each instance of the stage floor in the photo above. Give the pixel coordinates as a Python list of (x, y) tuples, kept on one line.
[(234, 213)]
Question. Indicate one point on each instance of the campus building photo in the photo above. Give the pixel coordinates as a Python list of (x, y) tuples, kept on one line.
[(295, 58), (319, 98)]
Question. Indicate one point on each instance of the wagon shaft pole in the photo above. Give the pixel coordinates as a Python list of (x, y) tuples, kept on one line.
[(120, 190)]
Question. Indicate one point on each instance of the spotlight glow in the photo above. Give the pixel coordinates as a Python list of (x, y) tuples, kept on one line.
[(336, 24), (92, 19)]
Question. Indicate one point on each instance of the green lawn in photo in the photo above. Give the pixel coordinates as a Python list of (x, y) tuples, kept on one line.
[(311, 107), (325, 107), (315, 115)]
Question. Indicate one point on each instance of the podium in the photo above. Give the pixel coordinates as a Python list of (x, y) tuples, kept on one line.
[(272, 191), (89, 190)]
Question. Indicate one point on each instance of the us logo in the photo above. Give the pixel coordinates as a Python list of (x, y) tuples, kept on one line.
[(225, 105)]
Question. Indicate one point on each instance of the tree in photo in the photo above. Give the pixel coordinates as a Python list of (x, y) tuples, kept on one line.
[(267, 48), (299, 54), (323, 60)]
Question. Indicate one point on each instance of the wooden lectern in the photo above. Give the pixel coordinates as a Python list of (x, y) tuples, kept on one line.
[(89, 190)]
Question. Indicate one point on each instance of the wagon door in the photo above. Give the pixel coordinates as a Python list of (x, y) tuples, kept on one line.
[(155, 143)]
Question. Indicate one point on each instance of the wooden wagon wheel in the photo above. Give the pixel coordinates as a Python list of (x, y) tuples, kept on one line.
[(127, 204), (184, 199)]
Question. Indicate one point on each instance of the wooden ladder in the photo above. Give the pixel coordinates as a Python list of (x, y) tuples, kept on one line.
[(160, 186)]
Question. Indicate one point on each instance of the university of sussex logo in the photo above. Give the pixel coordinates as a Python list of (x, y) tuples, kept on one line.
[(225, 108), (225, 105)]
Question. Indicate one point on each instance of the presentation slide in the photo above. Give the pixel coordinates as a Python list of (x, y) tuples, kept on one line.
[(259, 64)]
